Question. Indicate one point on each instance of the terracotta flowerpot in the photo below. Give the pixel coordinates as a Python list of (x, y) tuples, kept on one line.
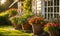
[(16, 26), (37, 29), (26, 27), (52, 33)]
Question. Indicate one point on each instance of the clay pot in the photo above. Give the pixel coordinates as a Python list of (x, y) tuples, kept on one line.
[(52, 33), (16, 26), (37, 29), (26, 27)]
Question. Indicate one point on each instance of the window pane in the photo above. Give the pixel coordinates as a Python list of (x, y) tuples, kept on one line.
[(49, 3), (45, 15), (45, 9), (54, 15), (51, 15), (51, 9), (57, 9), (55, 2), (45, 3), (54, 9), (48, 16)]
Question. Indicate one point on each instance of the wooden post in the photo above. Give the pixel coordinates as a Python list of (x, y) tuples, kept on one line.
[(34, 9), (19, 7)]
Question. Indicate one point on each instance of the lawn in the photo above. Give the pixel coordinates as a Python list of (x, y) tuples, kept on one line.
[(10, 31)]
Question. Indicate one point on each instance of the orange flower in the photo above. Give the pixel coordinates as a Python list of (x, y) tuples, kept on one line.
[(31, 20), (51, 24), (35, 20), (47, 25)]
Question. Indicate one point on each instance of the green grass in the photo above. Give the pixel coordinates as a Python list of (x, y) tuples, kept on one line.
[(9, 31)]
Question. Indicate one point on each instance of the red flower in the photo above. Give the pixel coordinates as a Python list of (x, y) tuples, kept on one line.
[(55, 25), (36, 20), (51, 24), (31, 20)]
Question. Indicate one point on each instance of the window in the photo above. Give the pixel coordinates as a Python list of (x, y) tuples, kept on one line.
[(51, 9)]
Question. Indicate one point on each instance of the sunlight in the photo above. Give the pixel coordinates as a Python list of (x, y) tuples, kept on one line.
[(3, 1)]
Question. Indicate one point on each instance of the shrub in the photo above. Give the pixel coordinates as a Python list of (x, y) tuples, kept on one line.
[(14, 20), (21, 19), (4, 16), (4, 20), (12, 12), (25, 17)]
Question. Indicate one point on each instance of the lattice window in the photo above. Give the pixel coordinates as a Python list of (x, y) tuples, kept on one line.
[(51, 8)]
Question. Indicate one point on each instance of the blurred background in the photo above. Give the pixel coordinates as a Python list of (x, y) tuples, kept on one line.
[(4, 4)]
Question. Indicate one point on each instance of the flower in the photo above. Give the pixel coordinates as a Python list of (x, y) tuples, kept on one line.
[(51, 26), (31, 20), (55, 25), (36, 20), (47, 25)]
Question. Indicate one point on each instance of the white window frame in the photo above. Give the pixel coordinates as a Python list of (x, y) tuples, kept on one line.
[(43, 10)]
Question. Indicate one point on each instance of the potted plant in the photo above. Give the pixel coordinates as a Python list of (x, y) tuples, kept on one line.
[(23, 20), (51, 28), (37, 24)]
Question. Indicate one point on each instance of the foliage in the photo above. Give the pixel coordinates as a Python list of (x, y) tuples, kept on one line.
[(51, 26), (27, 6), (4, 20), (36, 20), (9, 31), (28, 15), (9, 12), (12, 12), (21, 19), (53, 20), (14, 20), (25, 17), (4, 16)]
